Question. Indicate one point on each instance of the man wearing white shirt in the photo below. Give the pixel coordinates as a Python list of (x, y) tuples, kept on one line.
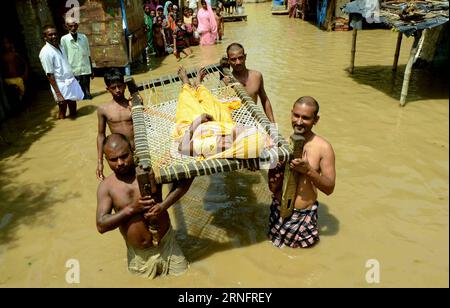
[(65, 88), (76, 47)]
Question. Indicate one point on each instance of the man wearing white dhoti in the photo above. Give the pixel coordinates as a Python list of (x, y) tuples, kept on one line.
[(65, 88)]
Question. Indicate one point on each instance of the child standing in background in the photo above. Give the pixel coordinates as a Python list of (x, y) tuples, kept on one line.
[(220, 23), (180, 42), (195, 38)]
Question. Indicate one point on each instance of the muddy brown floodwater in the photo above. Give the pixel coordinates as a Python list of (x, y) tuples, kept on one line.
[(390, 203)]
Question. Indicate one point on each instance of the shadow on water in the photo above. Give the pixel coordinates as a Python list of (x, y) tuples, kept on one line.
[(228, 212), (85, 110), (328, 224), (25, 205), (20, 132), (21, 205), (99, 93), (425, 83)]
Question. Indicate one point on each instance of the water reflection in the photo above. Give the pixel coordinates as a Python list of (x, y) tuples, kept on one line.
[(424, 83)]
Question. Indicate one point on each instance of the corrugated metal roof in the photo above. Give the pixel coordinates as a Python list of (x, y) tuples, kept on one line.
[(404, 16)]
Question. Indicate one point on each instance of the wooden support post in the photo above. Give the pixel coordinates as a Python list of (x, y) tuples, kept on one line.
[(144, 171), (289, 183), (409, 66), (397, 51), (329, 18), (352, 59)]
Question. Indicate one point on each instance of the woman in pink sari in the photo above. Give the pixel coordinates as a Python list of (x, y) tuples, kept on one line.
[(207, 26)]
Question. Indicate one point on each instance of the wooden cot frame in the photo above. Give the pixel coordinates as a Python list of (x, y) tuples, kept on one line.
[(281, 152)]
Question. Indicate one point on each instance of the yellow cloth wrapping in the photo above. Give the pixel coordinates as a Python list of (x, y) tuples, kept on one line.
[(249, 141), (193, 102), (205, 136), (248, 144)]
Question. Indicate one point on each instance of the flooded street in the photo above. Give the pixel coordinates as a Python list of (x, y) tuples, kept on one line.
[(390, 202)]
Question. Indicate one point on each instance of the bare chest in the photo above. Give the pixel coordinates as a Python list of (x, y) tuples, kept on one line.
[(124, 194), (252, 90), (312, 155), (118, 114), (251, 83)]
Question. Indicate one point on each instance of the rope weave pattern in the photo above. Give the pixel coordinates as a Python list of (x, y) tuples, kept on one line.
[(155, 122)]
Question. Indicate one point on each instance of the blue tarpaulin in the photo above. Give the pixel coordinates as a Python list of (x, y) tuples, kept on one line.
[(321, 12)]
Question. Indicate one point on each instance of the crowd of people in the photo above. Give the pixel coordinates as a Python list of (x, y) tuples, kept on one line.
[(170, 31)]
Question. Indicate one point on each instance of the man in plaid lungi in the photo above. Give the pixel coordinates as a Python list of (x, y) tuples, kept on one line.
[(314, 170)]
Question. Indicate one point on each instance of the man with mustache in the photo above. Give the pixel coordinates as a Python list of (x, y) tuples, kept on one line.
[(314, 170)]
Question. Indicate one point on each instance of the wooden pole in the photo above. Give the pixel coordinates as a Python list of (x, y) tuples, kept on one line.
[(289, 183), (408, 69), (144, 171), (330, 15), (397, 51), (420, 46), (352, 59)]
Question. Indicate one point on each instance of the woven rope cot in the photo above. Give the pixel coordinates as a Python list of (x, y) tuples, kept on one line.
[(154, 123)]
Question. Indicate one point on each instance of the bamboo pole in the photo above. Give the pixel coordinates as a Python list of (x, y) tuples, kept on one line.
[(144, 171), (352, 59), (397, 51), (330, 15), (408, 69), (289, 184), (420, 46)]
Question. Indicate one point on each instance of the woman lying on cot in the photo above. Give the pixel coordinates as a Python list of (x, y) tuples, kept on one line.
[(205, 128)]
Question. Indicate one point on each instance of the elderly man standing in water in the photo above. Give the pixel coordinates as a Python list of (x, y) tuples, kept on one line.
[(120, 193), (315, 170), (251, 80), (76, 47)]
